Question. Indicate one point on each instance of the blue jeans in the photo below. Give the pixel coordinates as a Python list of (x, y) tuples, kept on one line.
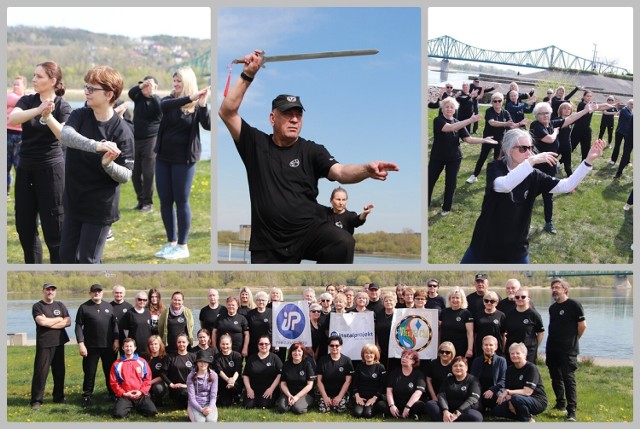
[(173, 184), (525, 406), (471, 258), (13, 157)]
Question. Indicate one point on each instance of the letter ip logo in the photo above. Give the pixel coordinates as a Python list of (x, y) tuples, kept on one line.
[(290, 321)]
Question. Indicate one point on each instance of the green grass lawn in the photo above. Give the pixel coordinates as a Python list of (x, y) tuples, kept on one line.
[(138, 236), (592, 226), (605, 395)]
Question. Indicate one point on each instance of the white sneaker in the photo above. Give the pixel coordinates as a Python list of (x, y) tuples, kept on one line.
[(472, 179), (444, 213), (612, 163), (177, 252), (627, 207), (166, 249)]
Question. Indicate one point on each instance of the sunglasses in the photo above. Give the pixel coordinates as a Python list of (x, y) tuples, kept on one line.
[(264, 344), (520, 296), (325, 300), (496, 101), (492, 301), (315, 311), (432, 285), (524, 149), (450, 87), (444, 352), (334, 346), (141, 299)]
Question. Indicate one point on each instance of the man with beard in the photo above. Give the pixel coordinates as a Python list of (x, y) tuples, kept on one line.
[(509, 303), (566, 326)]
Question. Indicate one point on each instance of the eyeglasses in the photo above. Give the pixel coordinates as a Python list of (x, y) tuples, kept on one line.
[(333, 346), (264, 344), (444, 352), (544, 113), (419, 298), (492, 301), (91, 89), (549, 93), (496, 101), (141, 299), (325, 300), (432, 285), (524, 149), (450, 87), (520, 296)]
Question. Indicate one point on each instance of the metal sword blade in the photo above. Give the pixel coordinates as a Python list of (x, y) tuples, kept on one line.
[(312, 56)]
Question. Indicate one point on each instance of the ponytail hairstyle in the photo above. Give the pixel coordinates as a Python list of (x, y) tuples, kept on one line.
[(54, 72)]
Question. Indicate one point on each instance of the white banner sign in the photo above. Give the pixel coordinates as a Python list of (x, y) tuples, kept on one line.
[(290, 323), (356, 330), (414, 329)]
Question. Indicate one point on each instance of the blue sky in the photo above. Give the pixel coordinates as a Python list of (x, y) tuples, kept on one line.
[(361, 108)]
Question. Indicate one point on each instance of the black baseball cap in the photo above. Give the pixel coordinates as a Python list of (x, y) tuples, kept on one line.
[(149, 77), (49, 286), (373, 286), (95, 287), (481, 277), (284, 102)]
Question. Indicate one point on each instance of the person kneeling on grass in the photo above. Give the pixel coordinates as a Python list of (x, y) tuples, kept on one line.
[(130, 380)]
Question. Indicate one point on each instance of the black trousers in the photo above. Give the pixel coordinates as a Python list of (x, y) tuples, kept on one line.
[(484, 153), (626, 155), (562, 370), (144, 169), (325, 243), (581, 137), (48, 358), (180, 396), (90, 368), (39, 195), (157, 392), (82, 243), (144, 406), (608, 128), (451, 176), (616, 146)]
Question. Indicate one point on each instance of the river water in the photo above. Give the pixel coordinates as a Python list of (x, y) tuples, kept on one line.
[(609, 315)]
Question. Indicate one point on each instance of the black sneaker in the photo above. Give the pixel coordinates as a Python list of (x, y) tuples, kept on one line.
[(560, 408), (60, 401), (549, 228), (36, 406), (86, 401), (138, 206)]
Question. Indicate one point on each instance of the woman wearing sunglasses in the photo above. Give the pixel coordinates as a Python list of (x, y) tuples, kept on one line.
[(501, 233), (440, 368), (99, 158), (334, 373), (490, 321), (524, 325), (261, 376)]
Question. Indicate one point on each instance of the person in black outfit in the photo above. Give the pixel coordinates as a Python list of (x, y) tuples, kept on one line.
[(146, 123), (524, 395), (120, 310), (501, 233), (467, 101), (628, 143), (474, 300), (439, 369), (524, 325), (176, 369), (560, 98), (491, 322), (212, 311), (259, 321), (405, 387), (235, 325), (338, 214), (608, 118), (369, 384), (97, 335), (566, 325), (458, 398), (137, 321), (51, 317), (334, 374), (509, 302), (296, 382), (156, 356), (582, 133), (475, 85), (99, 157), (497, 120), (40, 175), (456, 323), (283, 172), (261, 376), (434, 300), (228, 365)]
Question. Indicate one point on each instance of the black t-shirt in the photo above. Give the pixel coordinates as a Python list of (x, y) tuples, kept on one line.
[(527, 376), (283, 185), (382, 331), (156, 364), (488, 324), (347, 220), (90, 194), (228, 364), (403, 386), (446, 145), (523, 327), (563, 327), (146, 114), (453, 327), (460, 395), (262, 372), (40, 148), (297, 375), (496, 132), (438, 373), (176, 325), (49, 337), (475, 303), (501, 233), (436, 302), (176, 130), (259, 324), (538, 132), (334, 373), (369, 380), (208, 316), (319, 339), (506, 305), (583, 123), (177, 367), (96, 324), (465, 110), (235, 326), (120, 310), (139, 326)]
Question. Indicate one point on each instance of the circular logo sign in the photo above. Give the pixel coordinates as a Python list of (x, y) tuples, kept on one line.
[(413, 333), (290, 321)]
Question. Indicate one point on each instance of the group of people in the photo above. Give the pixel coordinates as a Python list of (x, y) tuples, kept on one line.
[(71, 162), (525, 161), (487, 348)]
